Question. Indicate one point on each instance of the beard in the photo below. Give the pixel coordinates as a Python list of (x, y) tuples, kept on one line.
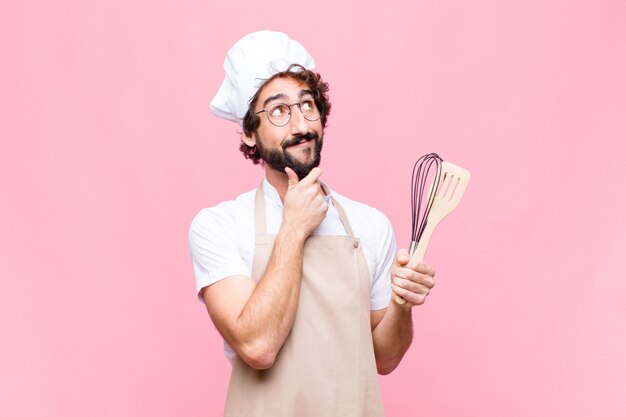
[(279, 159)]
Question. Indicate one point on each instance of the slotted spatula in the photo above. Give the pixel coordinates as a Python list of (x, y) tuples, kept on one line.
[(450, 187)]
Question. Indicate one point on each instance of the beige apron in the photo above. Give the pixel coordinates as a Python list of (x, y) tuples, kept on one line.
[(326, 366)]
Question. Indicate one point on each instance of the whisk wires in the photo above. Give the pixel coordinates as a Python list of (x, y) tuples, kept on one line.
[(419, 206)]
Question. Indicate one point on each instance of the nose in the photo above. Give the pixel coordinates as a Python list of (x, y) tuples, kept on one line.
[(298, 124)]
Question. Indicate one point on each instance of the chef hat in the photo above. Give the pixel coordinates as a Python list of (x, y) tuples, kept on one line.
[(252, 60)]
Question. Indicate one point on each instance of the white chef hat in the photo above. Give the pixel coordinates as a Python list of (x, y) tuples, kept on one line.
[(252, 60)]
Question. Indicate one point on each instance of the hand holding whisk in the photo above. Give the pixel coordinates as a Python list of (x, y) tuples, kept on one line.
[(447, 185)]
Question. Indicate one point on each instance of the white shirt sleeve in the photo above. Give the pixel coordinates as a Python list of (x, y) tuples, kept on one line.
[(381, 276), (213, 247)]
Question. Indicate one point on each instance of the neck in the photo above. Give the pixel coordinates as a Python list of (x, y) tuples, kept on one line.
[(278, 180)]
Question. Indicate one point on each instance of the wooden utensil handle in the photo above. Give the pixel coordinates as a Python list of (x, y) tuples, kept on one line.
[(418, 251)]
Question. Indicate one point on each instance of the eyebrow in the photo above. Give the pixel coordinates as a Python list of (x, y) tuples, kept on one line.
[(274, 97), (284, 96)]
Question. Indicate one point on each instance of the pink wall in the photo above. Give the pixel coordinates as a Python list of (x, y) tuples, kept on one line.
[(108, 149)]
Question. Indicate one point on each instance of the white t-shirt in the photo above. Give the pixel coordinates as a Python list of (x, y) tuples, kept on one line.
[(221, 240)]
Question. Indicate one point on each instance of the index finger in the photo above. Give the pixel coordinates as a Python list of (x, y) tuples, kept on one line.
[(422, 268)]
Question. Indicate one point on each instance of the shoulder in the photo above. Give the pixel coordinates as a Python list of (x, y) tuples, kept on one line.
[(219, 239), (362, 215), (224, 216)]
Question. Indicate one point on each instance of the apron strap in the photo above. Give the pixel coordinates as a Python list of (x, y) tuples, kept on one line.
[(342, 216), (259, 212)]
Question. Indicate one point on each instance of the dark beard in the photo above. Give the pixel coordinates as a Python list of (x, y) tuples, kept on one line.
[(278, 160)]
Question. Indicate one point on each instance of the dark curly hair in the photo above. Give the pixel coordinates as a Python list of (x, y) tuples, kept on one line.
[(313, 80)]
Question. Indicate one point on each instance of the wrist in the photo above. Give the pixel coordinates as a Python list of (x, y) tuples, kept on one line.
[(400, 307), (296, 235)]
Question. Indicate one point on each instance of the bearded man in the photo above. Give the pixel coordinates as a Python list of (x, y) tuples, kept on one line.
[(296, 277)]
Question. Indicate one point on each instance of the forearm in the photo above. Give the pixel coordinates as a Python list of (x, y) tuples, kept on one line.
[(392, 337), (267, 317), (255, 318)]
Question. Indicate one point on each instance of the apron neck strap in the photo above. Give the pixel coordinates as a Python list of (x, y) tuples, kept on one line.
[(259, 212), (342, 216)]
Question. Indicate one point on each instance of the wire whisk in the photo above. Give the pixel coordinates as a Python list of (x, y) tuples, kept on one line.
[(425, 167)]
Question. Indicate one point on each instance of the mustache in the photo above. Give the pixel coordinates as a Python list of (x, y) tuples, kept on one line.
[(299, 139)]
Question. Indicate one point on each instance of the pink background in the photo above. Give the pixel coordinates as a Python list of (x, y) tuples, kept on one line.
[(108, 149)]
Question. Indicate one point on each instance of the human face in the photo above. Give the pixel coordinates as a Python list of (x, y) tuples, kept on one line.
[(296, 145)]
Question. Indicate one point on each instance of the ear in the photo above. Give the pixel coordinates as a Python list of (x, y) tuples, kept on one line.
[(248, 140)]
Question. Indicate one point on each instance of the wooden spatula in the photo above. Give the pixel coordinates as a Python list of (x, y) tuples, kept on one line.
[(452, 185)]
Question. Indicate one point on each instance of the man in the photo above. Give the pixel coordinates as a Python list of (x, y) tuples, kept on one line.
[(297, 278)]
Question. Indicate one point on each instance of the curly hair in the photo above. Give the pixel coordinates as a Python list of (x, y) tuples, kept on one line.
[(313, 80)]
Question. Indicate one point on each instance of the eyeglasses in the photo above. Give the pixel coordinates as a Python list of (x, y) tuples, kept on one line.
[(279, 114)]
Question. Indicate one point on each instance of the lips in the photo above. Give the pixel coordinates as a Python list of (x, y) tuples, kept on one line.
[(295, 143), (299, 139), (300, 142)]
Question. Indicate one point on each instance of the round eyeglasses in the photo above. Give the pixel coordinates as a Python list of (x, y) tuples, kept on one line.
[(279, 114)]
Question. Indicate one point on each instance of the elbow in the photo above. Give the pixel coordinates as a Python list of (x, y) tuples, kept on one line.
[(387, 364), (260, 362), (258, 355), (386, 368)]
